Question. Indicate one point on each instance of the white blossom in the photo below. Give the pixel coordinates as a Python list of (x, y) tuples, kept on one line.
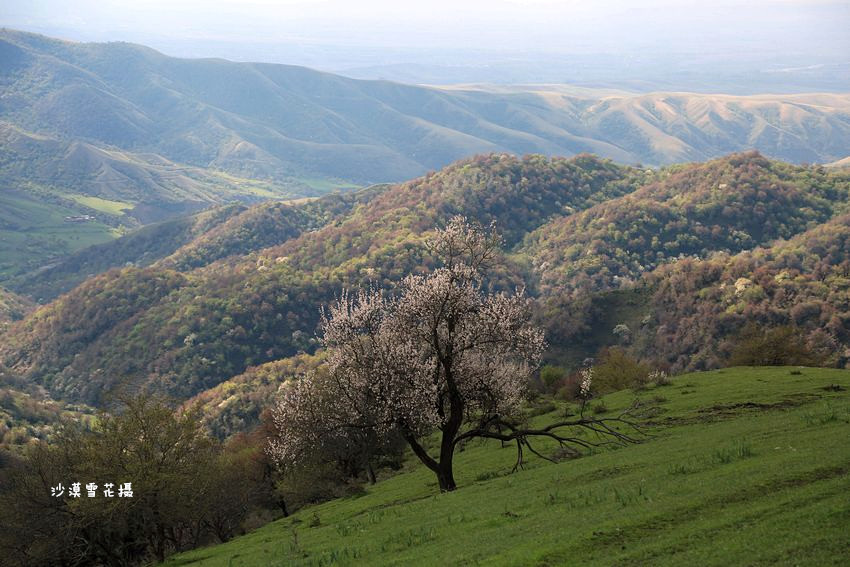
[(435, 353), (586, 382)]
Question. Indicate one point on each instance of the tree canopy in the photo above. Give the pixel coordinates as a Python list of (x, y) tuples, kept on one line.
[(440, 355)]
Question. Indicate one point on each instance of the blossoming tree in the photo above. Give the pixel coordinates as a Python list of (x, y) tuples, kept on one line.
[(441, 355)]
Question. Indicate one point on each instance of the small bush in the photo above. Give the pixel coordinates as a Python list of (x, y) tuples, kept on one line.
[(542, 407), (569, 388), (780, 346), (659, 377), (618, 371), (552, 376)]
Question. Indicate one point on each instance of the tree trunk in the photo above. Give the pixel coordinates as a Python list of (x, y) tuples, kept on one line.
[(443, 467), (445, 476), (281, 503)]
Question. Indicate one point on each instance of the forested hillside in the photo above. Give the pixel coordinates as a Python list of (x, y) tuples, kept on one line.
[(727, 205), (803, 282), (681, 261), (184, 332), (27, 412), (12, 307)]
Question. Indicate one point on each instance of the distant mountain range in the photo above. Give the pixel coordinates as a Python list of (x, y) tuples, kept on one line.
[(118, 135), (292, 124)]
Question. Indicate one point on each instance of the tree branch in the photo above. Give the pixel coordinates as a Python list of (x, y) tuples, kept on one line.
[(605, 428)]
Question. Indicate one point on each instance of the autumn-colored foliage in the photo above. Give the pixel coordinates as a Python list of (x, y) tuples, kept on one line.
[(695, 252)]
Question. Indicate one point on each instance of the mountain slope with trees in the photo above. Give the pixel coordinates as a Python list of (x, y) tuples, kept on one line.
[(193, 241), (139, 248), (228, 302), (12, 307), (172, 136), (187, 332), (731, 204), (701, 307)]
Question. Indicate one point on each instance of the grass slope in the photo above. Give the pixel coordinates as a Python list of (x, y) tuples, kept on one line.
[(33, 231), (748, 466)]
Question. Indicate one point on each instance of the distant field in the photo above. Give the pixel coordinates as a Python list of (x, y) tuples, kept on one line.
[(747, 466), (33, 231), (103, 205)]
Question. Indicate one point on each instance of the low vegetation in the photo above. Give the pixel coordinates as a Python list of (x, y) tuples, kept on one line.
[(745, 465), (136, 486)]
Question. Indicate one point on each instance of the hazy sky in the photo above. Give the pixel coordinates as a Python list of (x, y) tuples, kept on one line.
[(815, 26)]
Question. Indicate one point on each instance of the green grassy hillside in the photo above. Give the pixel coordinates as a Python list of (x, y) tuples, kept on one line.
[(33, 229), (140, 247), (745, 466), (45, 180)]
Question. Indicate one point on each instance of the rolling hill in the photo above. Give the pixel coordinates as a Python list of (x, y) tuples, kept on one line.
[(183, 332), (118, 135), (292, 124), (726, 205), (803, 282), (192, 241), (764, 243), (60, 196)]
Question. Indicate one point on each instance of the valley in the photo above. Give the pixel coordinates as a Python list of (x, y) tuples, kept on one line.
[(300, 317)]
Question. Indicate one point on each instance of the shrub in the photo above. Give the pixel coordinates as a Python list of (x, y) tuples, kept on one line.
[(659, 378), (552, 376), (569, 387), (617, 371), (780, 346)]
